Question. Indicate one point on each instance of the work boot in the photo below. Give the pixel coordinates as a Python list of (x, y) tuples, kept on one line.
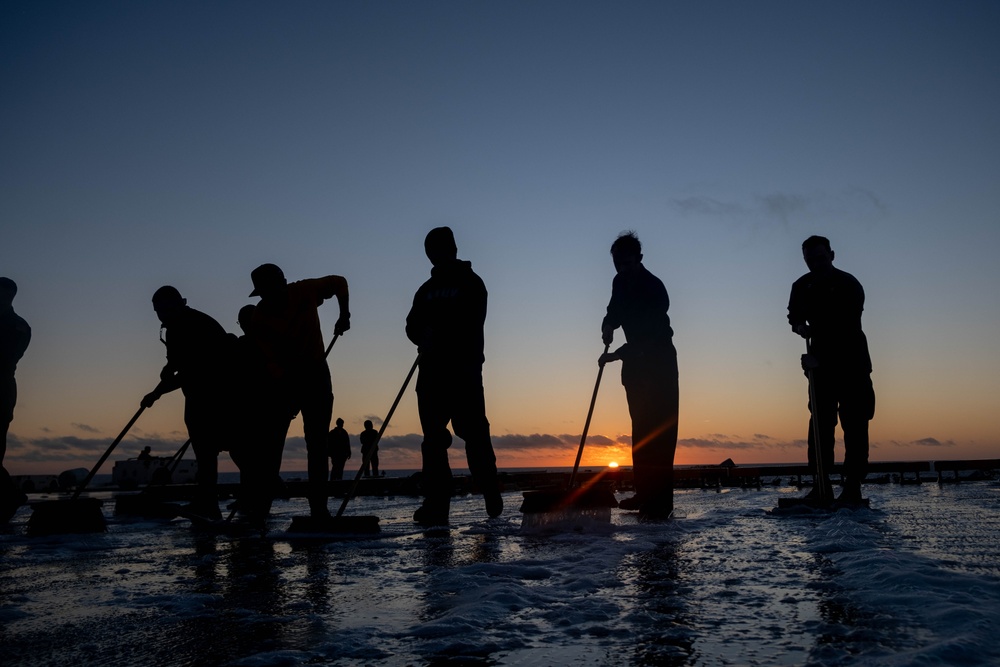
[(851, 494), (318, 508), (433, 513), (814, 493), (631, 504), (494, 501), (656, 510)]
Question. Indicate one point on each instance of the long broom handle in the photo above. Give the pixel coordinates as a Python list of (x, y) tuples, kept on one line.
[(586, 424), (176, 459), (330, 346), (93, 471), (821, 481), (366, 457)]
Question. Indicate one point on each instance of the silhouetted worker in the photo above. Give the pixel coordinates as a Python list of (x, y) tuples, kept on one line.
[(146, 453), (446, 323), (15, 334), (825, 308), (638, 305), (199, 363), (369, 450), (265, 414), (340, 450), (287, 323)]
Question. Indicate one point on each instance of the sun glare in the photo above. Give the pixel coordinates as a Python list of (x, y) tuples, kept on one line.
[(613, 464)]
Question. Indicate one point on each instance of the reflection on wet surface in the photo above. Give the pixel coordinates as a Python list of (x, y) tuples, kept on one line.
[(729, 583)]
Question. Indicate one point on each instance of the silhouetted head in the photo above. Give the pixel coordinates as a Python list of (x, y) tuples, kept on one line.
[(368, 423), (268, 280), (245, 317), (818, 254), (440, 245), (8, 289), (167, 302), (626, 253)]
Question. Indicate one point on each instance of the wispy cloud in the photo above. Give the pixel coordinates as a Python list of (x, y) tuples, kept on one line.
[(76, 450), (87, 428), (787, 208), (932, 442)]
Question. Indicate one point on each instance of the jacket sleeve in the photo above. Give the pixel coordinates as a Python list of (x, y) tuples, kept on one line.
[(797, 305), (328, 287), (415, 319)]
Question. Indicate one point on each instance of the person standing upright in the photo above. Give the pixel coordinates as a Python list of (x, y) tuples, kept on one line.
[(15, 334), (286, 321), (638, 305), (369, 449), (340, 450), (446, 324), (825, 308)]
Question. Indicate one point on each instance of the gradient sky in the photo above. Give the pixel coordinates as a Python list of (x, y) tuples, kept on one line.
[(185, 143)]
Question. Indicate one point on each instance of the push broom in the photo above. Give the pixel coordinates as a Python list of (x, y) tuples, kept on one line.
[(76, 515), (340, 523), (591, 502)]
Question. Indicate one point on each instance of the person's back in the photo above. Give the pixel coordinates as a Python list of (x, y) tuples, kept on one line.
[(200, 351), (639, 305), (448, 315), (15, 334), (289, 325), (832, 304)]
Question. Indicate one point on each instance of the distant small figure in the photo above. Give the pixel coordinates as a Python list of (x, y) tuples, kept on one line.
[(446, 324), (199, 363), (638, 305), (825, 308), (146, 453), (15, 334), (369, 450), (286, 322), (340, 450)]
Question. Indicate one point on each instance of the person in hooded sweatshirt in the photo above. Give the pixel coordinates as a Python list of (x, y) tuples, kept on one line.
[(446, 324)]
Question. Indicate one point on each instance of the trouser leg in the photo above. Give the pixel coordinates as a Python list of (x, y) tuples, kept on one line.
[(472, 426), (653, 400), (436, 476), (8, 399), (317, 412), (337, 468), (205, 438), (857, 407)]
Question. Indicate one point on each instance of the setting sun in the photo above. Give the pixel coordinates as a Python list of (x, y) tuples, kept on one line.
[(613, 464)]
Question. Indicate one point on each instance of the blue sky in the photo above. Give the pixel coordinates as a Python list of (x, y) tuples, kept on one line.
[(185, 143)]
